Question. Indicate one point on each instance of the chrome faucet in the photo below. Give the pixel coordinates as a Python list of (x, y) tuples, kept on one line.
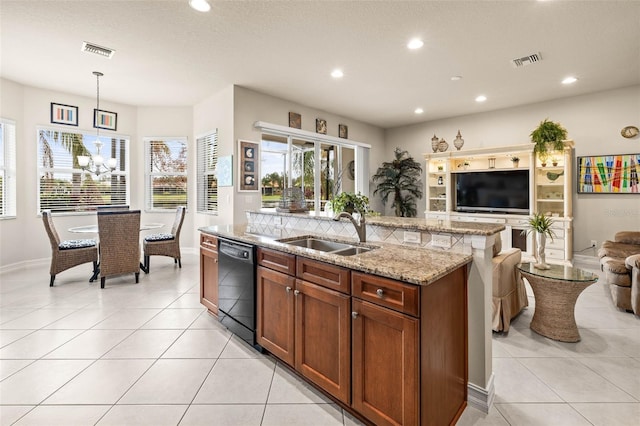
[(361, 227)]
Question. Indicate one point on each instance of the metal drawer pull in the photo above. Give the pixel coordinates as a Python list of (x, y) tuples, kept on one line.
[(296, 292), (354, 315), (288, 289), (379, 292)]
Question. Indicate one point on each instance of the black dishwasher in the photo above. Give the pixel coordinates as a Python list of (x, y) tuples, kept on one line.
[(237, 289)]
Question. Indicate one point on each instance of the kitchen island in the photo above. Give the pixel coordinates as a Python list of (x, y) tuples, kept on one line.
[(340, 320)]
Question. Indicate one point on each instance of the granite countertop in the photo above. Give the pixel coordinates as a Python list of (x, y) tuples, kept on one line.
[(407, 263), (411, 223)]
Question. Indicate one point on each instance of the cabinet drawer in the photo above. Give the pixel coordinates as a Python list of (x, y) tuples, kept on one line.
[(557, 244), (209, 241), (386, 292), (554, 254), (329, 276), (277, 260)]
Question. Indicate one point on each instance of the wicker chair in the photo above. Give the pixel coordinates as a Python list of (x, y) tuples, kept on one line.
[(69, 253), (165, 244), (112, 207), (119, 243)]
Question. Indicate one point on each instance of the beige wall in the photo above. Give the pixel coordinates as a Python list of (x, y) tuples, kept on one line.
[(593, 121)]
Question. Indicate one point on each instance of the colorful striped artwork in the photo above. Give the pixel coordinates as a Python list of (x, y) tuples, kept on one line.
[(64, 114), (105, 119), (609, 174)]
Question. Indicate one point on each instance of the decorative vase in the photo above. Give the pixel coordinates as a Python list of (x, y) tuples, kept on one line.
[(458, 142), (440, 180), (442, 145), (434, 143), (541, 241)]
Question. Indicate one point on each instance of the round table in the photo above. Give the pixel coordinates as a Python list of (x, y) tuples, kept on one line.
[(556, 291)]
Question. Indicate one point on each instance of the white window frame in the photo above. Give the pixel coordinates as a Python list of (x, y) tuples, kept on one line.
[(89, 137), (8, 169), (207, 163), (150, 174)]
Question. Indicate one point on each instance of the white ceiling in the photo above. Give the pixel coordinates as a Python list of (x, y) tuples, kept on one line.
[(170, 55)]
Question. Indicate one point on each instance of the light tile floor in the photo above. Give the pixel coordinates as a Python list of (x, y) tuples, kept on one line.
[(148, 353)]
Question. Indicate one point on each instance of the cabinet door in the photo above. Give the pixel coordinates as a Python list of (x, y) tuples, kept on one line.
[(323, 338), (274, 313), (209, 278), (385, 364)]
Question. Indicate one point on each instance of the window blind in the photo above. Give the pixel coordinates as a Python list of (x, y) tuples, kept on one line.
[(64, 187), (166, 173), (8, 168), (207, 181)]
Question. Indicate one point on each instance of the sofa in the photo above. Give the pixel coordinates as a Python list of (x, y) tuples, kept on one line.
[(509, 292), (618, 272)]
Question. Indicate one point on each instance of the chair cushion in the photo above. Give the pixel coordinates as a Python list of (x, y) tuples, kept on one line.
[(159, 237), (76, 244)]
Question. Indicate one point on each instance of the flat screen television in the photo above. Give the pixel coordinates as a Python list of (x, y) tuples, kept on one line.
[(499, 191)]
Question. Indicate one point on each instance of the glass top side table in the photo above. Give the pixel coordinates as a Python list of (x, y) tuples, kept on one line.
[(556, 291)]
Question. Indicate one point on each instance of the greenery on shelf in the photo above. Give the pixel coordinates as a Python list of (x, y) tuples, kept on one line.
[(400, 179), (515, 159), (541, 224), (548, 136), (350, 202)]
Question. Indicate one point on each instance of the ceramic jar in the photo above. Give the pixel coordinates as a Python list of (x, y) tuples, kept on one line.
[(458, 142)]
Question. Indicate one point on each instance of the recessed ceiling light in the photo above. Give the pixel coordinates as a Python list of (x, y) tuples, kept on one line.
[(200, 5), (569, 80), (456, 78), (481, 98), (415, 43), (337, 73), (418, 111)]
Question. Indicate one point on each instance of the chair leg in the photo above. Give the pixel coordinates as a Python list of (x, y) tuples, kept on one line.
[(175, 260), (179, 263), (53, 278), (137, 277), (146, 264), (96, 271), (102, 279)]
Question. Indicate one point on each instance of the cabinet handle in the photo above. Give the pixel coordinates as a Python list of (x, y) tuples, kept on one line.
[(215, 260), (354, 315), (296, 292), (288, 289), (379, 292)]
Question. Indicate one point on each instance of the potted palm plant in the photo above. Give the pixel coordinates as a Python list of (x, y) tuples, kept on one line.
[(541, 225), (548, 136), (399, 179)]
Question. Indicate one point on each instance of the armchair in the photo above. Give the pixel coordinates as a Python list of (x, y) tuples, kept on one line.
[(509, 292)]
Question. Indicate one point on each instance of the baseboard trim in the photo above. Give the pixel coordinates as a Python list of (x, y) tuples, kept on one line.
[(480, 398), (586, 261), (18, 266)]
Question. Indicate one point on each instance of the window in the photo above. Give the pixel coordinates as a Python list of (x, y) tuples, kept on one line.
[(64, 187), (207, 153), (166, 173), (8, 168)]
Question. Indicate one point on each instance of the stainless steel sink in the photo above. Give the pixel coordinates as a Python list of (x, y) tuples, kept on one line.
[(327, 246), (317, 244)]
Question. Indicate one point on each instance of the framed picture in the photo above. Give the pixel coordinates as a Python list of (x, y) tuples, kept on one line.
[(321, 126), (343, 131), (105, 119), (225, 171), (609, 174), (248, 166), (64, 114), (295, 120)]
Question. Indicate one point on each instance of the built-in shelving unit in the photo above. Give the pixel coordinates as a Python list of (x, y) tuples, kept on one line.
[(550, 190)]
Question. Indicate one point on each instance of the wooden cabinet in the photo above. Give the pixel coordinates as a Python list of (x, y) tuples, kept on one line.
[(306, 324), (209, 272), (386, 365)]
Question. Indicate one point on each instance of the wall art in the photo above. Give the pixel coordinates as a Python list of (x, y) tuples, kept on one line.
[(609, 174), (321, 126), (295, 120), (248, 166), (105, 119), (64, 114), (343, 131)]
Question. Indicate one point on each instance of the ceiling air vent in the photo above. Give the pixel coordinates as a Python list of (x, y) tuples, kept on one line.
[(98, 50), (526, 60)]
